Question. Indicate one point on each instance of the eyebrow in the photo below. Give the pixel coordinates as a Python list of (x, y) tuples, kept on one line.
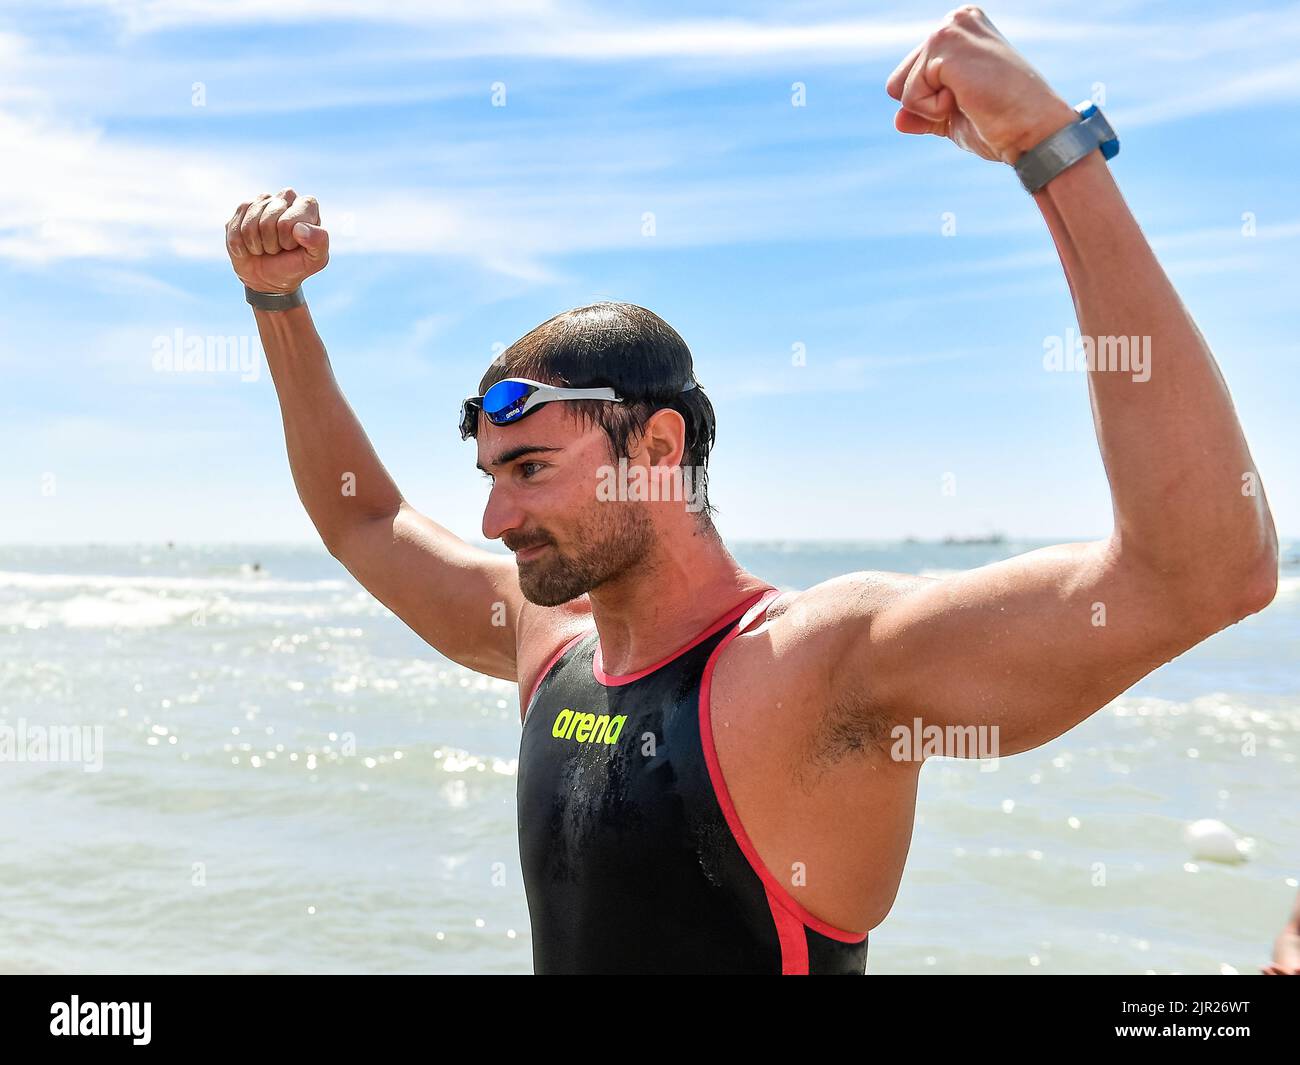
[(513, 453)]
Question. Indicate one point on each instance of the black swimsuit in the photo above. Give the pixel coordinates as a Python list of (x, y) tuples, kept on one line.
[(633, 857)]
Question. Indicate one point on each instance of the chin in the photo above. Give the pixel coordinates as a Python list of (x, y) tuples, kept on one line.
[(541, 588), (548, 596)]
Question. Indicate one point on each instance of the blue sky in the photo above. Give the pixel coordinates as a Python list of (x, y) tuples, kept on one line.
[(457, 226)]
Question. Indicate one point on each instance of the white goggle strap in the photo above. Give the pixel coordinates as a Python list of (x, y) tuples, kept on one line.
[(547, 394)]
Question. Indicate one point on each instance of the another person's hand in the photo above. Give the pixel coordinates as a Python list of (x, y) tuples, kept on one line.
[(276, 242), (966, 83), (1286, 949)]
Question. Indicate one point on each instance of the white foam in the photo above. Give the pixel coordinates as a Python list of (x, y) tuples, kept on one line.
[(134, 607), (1288, 587), (124, 609), (73, 582)]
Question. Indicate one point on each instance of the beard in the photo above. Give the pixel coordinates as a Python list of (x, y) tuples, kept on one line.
[(615, 538)]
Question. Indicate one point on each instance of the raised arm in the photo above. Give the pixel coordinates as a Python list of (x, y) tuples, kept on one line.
[(463, 600), (1037, 643)]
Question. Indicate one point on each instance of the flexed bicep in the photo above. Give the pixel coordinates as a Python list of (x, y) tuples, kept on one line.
[(1025, 648)]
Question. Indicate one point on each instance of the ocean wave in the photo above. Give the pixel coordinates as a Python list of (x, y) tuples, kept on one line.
[(1216, 712), (99, 612), (1287, 587), (75, 582), (132, 608)]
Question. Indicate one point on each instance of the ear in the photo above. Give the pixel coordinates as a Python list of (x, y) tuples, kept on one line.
[(664, 439)]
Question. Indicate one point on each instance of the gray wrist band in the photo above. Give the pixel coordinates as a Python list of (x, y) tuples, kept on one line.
[(1066, 147), (274, 301)]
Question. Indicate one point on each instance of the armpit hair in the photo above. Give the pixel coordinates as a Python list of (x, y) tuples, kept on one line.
[(852, 727)]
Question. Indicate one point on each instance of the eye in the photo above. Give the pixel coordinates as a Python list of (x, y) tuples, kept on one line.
[(530, 469)]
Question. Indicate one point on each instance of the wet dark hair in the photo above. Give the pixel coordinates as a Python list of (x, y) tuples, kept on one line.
[(627, 348)]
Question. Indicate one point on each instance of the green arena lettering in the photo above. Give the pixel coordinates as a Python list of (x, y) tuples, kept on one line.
[(587, 728)]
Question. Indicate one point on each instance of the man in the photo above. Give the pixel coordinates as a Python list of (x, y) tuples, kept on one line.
[(715, 776)]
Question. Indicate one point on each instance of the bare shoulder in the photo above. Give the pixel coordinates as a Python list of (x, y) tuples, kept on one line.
[(805, 629), (795, 668), (838, 607), (807, 759), (540, 632)]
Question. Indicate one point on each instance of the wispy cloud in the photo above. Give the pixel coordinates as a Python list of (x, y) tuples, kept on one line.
[(71, 191), (78, 192), (1258, 88), (147, 16), (516, 204), (647, 152)]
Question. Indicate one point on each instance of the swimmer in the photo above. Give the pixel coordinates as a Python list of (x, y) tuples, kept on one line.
[(717, 775)]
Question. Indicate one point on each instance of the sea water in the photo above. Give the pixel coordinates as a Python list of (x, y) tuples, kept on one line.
[(289, 780)]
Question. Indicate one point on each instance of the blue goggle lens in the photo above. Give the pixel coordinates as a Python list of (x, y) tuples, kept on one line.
[(504, 401)]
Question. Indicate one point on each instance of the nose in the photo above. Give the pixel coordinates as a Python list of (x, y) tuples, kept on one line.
[(501, 514)]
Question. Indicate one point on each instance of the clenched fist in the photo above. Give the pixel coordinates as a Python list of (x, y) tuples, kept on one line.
[(966, 83), (276, 242)]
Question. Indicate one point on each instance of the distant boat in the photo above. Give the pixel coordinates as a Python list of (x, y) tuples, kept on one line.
[(991, 538)]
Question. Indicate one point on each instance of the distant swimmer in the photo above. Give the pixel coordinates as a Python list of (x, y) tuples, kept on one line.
[(1286, 949), (716, 775)]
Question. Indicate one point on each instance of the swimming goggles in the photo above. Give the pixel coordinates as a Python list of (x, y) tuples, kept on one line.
[(514, 398)]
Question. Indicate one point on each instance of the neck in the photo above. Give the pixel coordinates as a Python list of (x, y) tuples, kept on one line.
[(644, 616)]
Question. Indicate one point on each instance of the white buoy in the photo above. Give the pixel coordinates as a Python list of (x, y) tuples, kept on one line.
[(1213, 841)]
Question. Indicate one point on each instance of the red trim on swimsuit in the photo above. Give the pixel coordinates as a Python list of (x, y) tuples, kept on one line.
[(612, 680), (786, 912), (791, 936), (551, 665)]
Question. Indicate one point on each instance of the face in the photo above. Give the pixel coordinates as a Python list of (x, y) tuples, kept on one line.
[(544, 505)]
